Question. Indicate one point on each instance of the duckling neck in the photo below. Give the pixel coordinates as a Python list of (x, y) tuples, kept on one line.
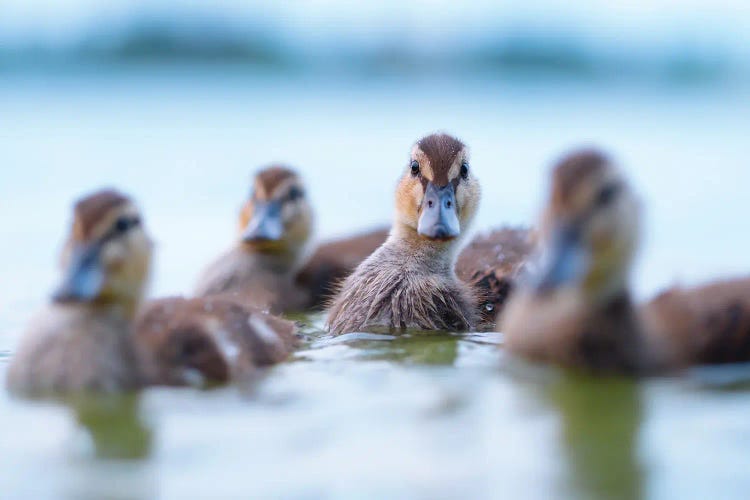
[(121, 311), (440, 255), (281, 261)]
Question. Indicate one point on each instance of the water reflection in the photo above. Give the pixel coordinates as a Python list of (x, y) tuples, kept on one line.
[(115, 425), (412, 347), (600, 423)]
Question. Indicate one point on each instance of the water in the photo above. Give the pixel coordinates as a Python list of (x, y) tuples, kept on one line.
[(370, 415)]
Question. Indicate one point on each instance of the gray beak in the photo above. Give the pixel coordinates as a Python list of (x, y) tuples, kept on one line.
[(566, 261), (266, 223), (439, 220), (84, 276)]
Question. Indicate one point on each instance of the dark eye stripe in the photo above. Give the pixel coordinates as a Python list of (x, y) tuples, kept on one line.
[(122, 225), (607, 194), (414, 168), (464, 170), (295, 193)]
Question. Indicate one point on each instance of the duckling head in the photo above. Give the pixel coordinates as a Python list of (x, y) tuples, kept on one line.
[(589, 228), (108, 254), (277, 218), (438, 194)]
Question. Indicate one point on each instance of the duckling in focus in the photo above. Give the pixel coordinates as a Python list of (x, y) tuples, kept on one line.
[(491, 263), (275, 225), (409, 282), (578, 311), (82, 341), (85, 340)]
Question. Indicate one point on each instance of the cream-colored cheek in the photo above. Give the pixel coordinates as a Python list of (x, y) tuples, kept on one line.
[(417, 195), (467, 198)]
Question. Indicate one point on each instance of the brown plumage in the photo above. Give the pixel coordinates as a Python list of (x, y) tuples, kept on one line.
[(208, 340), (442, 151), (491, 264), (275, 225), (575, 169), (401, 287), (703, 325), (333, 261), (578, 311), (81, 342), (409, 282), (88, 211), (271, 270), (85, 340), (268, 180)]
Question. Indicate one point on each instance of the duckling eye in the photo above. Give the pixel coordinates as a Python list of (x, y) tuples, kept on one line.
[(295, 193), (414, 168), (607, 194), (464, 170), (124, 224)]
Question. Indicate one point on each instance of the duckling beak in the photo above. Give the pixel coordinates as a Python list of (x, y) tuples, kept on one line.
[(566, 262), (84, 277), (439, 219), (266, 224)]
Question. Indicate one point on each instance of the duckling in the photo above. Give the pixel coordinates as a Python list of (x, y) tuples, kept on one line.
[(81, 342), (578, 311), (86, 341), (333, 261), (274, 226), (208, 340), (492, 263), (410, 282)]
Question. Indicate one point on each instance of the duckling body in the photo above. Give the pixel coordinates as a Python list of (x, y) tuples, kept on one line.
[(87, 340), (401, 286), (708, 324), (208, 340), (333, 261), (75, 349), (275, 225), (409, 282), (577, 312), (268, 281), (81, 341), (491, 264)]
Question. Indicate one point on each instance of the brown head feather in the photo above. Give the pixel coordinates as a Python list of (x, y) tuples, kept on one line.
[(441, 149), (90, 210), (270, 178), (574, 169)]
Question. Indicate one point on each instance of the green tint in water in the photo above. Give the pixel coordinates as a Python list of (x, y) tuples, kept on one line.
[(421, 414)]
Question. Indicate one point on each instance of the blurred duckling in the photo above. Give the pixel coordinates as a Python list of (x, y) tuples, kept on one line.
[(409, 282), (578, 311), (208, 340), (81, 342), (85, 340), (275, 224)]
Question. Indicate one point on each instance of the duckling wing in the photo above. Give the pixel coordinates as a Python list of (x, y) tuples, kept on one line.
[(491, 263)]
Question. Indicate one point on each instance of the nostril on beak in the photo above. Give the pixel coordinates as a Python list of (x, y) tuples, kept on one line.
[(448, 204), (429, 203)]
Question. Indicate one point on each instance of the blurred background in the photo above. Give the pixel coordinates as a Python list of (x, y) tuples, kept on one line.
[(178, 103)]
